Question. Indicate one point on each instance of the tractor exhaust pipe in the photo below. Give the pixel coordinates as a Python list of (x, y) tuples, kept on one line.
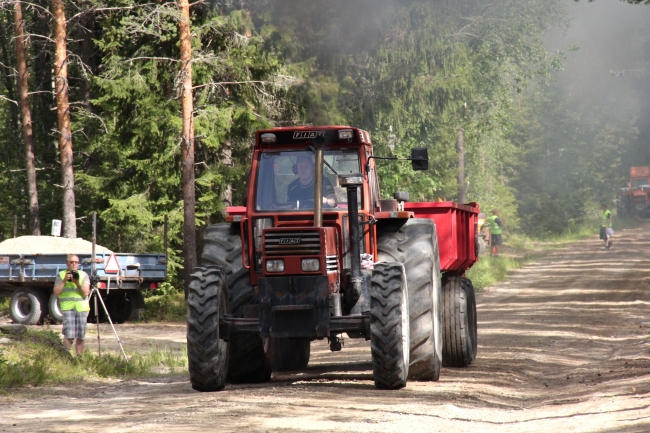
[(351, 182), (318, 188)]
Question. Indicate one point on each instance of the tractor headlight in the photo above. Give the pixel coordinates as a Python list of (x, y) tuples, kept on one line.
[(346, 134), (310, 265), (275, 266)]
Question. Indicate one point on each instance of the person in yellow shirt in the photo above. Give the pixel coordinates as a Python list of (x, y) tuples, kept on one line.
[(494, 224), (72, 286), (606, 226)]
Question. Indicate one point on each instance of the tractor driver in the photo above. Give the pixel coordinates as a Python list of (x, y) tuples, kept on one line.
[(301, 190)]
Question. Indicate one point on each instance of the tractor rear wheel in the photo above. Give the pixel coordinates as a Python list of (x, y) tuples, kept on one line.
[(222, 246), (290, 355), (207, 354), (389, 326), (414, 243), (460, 325)]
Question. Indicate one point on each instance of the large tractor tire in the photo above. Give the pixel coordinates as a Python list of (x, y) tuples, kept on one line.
[(290, 355), (54, 309), (207, 354), (414, 243), (460, 326), (28, 306), (389, 326), (222, 246)]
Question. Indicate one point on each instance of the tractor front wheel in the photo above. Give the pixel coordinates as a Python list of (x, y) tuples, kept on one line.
[(290, 355), (207, 354), (222, 246), (389, 326)]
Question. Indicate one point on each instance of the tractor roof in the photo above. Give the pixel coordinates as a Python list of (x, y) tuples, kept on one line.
[(303, 134)]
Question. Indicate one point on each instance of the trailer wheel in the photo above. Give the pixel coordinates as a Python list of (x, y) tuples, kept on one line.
[(137, 299), (207, 354), (222, 246), (290, 355), (28, 306), (119, 305), (389, 325), (460, 325), (54, 309), (414, 243)]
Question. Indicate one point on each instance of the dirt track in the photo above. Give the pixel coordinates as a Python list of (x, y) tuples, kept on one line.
[(563, 346)]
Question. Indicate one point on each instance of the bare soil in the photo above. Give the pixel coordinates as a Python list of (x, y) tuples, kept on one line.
[(563, 346)]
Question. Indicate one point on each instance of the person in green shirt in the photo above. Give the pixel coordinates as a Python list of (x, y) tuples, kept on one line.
[(606, 226), (494, 225)]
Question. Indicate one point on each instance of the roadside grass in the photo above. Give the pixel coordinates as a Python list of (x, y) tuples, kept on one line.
[(38, 357), (166, 304), (4, 306), (519, 249)]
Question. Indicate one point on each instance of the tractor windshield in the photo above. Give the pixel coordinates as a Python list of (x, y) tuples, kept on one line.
[(637, 183), (285, 179)]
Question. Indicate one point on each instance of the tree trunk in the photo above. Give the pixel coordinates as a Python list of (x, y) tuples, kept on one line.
[(189, 224), (63, 118), (26, 119), (460, 147)]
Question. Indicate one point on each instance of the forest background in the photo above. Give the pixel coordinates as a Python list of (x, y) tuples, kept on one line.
[(543, 145)]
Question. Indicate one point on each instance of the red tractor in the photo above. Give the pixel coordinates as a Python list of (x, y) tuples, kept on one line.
[(635, 199), (316, 253)]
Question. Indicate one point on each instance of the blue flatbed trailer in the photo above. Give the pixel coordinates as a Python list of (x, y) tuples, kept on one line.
[(29, 278)]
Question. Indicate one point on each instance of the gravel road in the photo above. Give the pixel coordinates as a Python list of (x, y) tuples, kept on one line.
[(563, 346)]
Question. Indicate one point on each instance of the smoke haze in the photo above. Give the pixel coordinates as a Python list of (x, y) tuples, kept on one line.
[(610, 73)]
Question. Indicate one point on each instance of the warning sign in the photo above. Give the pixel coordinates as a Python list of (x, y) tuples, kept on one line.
[(112, 267)]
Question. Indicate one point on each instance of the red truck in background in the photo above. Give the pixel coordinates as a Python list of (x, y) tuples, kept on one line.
[(634, 200)]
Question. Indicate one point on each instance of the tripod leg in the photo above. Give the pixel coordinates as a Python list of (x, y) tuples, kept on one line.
[(114, 331), (99, 342)]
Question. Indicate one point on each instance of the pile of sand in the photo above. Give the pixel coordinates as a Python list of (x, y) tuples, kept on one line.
[(49, 245)]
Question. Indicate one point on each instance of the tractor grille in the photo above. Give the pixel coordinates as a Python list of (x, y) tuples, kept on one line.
[(331, 263), (291, 243)]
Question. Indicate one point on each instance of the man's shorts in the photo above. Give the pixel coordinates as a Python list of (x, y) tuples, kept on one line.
[(495, 240), (603, 233), (74, 324)]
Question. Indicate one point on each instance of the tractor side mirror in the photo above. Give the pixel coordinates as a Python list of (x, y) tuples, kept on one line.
[(419, 158)]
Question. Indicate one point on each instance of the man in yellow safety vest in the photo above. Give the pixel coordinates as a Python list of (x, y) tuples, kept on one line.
[(72, 286)]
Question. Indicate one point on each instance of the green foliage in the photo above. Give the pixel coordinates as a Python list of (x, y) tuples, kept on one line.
[(570, 161), (491, 270), (412, 73), (39, 357), (165, 305)]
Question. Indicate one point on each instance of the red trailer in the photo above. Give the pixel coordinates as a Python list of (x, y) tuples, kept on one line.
[(316, 253)]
